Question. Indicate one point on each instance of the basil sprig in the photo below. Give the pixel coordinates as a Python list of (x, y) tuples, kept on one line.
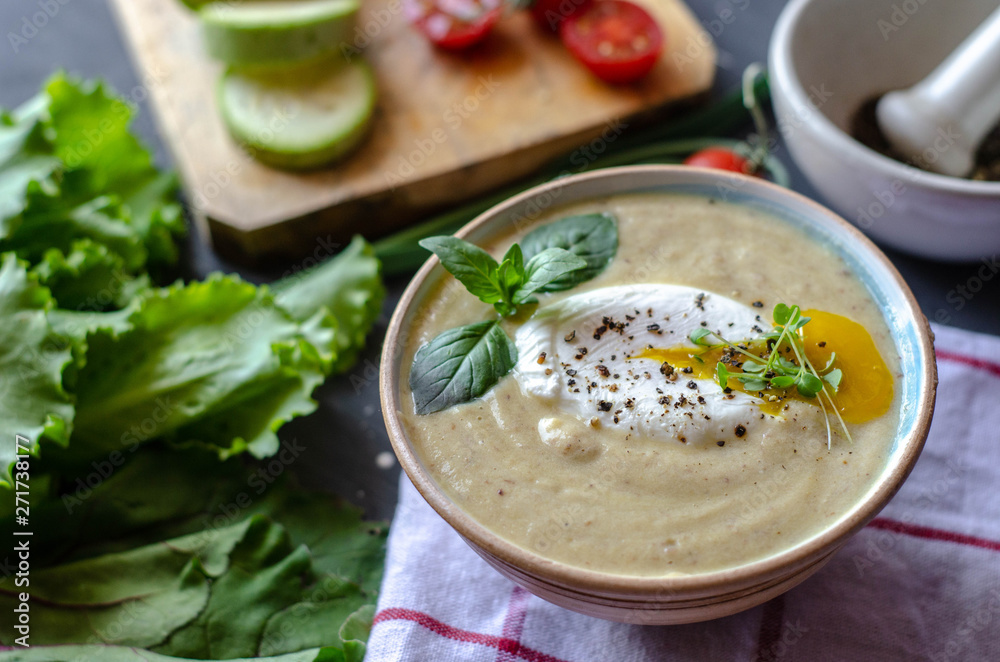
[(462, 364), (505, 284)]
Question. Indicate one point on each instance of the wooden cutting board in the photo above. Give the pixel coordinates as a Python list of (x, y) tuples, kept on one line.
[(448, 126)]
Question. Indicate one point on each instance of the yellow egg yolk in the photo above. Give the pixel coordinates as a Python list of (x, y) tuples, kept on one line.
[(866, 387)]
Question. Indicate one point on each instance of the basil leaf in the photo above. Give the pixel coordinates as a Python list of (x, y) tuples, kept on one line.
[(460, 365), (594, 237), (545, 268), (474, 267)]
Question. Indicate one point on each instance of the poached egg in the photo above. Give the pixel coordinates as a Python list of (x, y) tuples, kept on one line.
[(594, 357)]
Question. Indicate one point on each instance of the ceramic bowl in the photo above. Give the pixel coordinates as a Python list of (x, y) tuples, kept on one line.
[(829, 56), (656, 600)]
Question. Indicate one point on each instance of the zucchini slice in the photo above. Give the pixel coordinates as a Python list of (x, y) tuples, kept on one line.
[(269, 33), (301, 118)]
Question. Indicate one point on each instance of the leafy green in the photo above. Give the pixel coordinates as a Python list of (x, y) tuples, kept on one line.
[(160, 492), (33, 401), (265, 575), (460, 365), (28, 166), (700, 337), (214, 361), (213, 594), (71, 172), (155, 494), (283, 568), (101, 653), (91, 135), (344, 294), (136, 598), (593, 237), (130, 398), (833, 378), (220, 361), (89, 277)]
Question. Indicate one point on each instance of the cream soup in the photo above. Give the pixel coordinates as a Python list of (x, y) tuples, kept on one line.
[(616, 497)]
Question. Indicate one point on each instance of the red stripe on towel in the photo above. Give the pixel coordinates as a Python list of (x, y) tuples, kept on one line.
[(929, 533), (458, 634)]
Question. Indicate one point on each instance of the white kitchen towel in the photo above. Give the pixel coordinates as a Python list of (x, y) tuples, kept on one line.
[(921, 582)]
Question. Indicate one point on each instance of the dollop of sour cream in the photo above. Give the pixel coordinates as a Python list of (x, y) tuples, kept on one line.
[(584, 355)]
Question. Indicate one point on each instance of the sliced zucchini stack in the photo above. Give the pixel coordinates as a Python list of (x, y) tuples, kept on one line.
[(289, 96), (302, 118)]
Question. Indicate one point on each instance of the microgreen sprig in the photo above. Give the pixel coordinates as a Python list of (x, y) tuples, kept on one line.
[(777, 372)]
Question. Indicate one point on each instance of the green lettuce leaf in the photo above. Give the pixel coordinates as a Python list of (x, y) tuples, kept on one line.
[(269, 601), (89, 278), (90, 129), (129, 500), (287, 568), (343, 295), (213, 361), (33, 401), (219, 362), (218, 593), (27, 166), (134, 598), (48, 223), (71, 171)]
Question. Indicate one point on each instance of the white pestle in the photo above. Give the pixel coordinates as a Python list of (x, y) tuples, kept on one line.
[(939, 122)]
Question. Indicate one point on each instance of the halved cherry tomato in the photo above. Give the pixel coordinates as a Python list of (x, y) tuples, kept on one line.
[(454, 24), (719, 158), (549, 14), (617, 40)]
